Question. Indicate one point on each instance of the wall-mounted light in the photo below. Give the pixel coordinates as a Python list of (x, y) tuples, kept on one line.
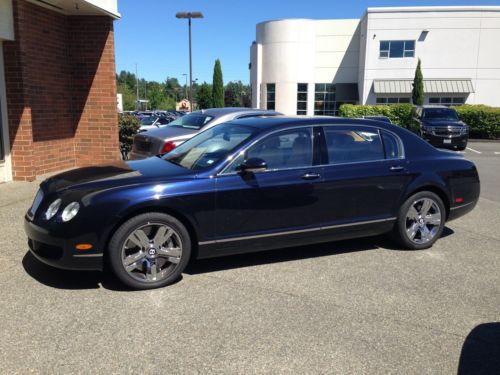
[(423, 35)]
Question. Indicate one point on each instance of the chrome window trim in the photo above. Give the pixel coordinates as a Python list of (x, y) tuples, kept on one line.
[(233, 157), (296, 231)]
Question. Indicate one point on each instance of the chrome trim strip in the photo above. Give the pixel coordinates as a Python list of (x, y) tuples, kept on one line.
[(88, 255), (462, 205), (296, 231)]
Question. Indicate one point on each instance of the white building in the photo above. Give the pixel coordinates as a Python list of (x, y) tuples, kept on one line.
[(301, 66)]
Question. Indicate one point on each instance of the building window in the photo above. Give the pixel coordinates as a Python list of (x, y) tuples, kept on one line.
[(447, 101), (393, 100), (397, 48), (302, 98), (324, 99), (271, 96)]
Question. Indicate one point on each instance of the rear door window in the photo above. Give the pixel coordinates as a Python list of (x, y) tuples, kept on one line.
[(353, 145)]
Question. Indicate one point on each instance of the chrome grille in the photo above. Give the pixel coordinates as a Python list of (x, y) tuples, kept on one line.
[(447, 131)]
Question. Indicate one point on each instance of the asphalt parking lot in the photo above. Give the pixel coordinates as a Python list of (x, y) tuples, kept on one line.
[(361, 306)]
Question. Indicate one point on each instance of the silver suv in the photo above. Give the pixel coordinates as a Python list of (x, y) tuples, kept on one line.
[(165, 139)]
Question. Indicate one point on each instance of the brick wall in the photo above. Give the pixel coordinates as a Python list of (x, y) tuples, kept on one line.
[(61, 91)]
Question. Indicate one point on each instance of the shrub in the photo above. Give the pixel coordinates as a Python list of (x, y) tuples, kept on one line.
[(128, 127), (484, 121), (400, 114)]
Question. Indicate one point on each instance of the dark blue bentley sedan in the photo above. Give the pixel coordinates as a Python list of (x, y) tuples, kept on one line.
[(249, 185)]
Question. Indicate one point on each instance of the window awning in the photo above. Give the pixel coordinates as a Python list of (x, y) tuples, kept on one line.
[(431, 86), (346, 92)]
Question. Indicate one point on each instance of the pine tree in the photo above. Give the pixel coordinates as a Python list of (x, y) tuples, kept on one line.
[(418, 86), (217, 86)]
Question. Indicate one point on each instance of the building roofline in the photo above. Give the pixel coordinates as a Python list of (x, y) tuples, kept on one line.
[(466, 8)]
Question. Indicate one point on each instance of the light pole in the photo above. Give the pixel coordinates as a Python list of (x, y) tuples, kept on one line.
[(186, 76), (190, 15)]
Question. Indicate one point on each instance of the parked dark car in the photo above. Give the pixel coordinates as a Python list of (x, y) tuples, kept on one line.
[(249, 185), (161, 141), (441, 127)]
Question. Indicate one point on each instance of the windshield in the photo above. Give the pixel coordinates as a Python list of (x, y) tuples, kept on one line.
[(440, 113), (148, 120), (210, 147), (192, 121)]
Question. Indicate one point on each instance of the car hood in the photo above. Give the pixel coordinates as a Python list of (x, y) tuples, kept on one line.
[(442, 122), (116, 174), (169, 132)]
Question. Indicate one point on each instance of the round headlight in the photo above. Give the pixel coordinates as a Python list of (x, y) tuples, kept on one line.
[(53, 208), (70, 211)]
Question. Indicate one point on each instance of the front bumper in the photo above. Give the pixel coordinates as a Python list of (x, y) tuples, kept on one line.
[(446, 142), (58, 251)]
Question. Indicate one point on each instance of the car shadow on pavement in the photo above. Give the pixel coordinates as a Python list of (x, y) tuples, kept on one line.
[(281, 255), (65, 279), (481, 351)]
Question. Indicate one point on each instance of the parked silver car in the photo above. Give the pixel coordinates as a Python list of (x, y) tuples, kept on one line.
[(165, 139)]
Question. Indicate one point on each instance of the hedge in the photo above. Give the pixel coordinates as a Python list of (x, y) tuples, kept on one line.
[(400, 114), (484, 121)]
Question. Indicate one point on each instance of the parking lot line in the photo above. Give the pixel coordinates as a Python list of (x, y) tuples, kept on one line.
[(476, 151), (497, 153)]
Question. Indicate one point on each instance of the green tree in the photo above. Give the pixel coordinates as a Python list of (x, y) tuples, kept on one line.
[(204, 96), (128, 96), (418, 86), (156, 96), (217, 86)]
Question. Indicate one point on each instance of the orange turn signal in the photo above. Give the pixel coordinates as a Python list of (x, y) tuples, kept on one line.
[(83, 246)]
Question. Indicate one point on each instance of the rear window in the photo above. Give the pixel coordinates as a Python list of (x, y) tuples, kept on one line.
[(349, 145), (192, 121)]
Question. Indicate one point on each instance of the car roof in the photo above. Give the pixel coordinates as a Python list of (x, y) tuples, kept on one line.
[(276, 122), (217, 112)]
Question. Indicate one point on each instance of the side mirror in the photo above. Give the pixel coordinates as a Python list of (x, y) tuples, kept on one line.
[(252, 165)]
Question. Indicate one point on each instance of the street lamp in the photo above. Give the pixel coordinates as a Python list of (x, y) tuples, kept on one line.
[(186, 76), (190, 15)]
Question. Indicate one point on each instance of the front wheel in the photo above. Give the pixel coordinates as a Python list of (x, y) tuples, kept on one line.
[(149, 251), (420, 221)]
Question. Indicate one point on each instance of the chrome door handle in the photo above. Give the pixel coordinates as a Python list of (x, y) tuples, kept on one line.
[(311, 176), (396, 168)]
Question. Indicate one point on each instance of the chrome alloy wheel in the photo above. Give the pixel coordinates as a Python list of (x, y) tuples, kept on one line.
[(423, 220), (151, 252)]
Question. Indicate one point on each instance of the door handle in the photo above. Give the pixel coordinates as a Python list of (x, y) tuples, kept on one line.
[(397, 168), (311, 176)]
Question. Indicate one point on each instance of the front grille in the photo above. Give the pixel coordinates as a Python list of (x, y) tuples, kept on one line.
[(45, 250), (142, 144), (447, 132)]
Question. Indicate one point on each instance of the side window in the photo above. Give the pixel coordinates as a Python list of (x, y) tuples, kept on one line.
[(392, 146), (353, 145), (284, 150), (288, 149)]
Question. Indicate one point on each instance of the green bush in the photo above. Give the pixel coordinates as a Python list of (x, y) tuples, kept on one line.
[(400, 114), (128, 127), (484, 121)]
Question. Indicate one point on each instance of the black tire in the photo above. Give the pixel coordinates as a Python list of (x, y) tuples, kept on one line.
[(461, 148), (403, 223), (117, 244)]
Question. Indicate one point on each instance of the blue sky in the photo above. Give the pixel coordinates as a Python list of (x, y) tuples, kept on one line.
[(149, 34)]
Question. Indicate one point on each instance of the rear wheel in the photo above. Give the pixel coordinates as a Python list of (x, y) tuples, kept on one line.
[(420, 221), (149, 251)]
